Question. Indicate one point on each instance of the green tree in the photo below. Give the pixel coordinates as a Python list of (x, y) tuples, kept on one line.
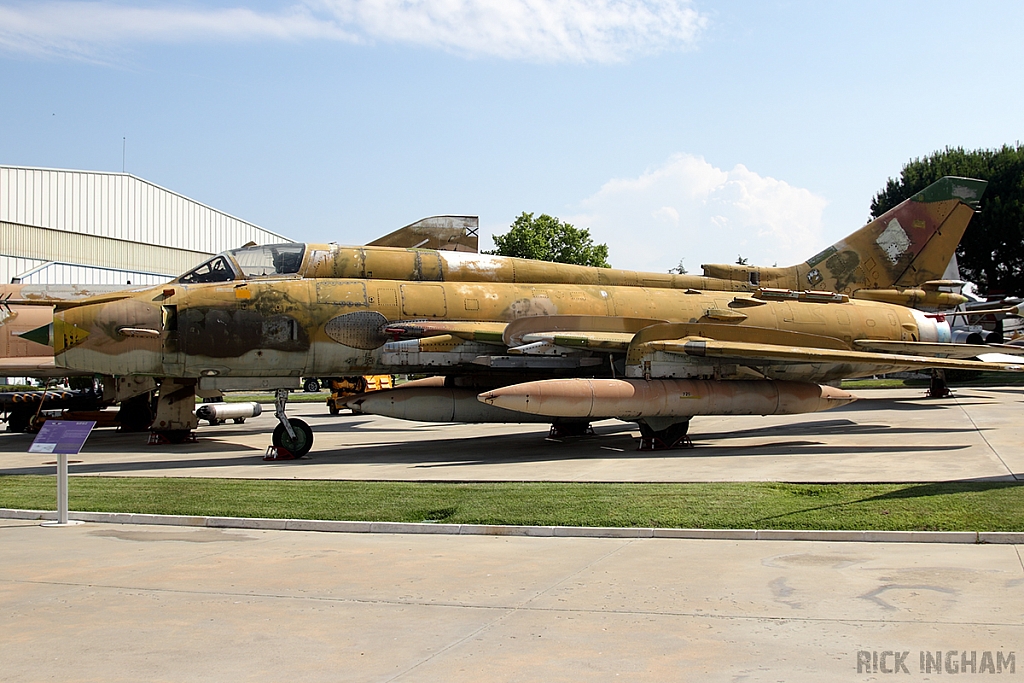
[(546, 238), (991, 253)]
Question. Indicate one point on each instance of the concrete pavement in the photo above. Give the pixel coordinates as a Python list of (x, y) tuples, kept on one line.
[(129, 603), (106, 602), (888, 436)]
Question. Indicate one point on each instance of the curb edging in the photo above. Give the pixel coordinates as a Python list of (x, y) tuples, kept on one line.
[(352, 527)]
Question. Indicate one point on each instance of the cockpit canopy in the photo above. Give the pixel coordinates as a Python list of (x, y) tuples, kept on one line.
[(248, 262)]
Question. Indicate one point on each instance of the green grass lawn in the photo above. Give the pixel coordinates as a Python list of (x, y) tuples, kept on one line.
[(978, 380), (962, 506)]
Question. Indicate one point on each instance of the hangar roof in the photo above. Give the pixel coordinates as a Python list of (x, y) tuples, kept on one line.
[(111, 222)]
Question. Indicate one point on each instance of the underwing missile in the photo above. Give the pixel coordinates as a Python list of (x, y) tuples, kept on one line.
[(637, 398)]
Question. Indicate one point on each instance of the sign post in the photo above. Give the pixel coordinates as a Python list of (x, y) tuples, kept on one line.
[(62, 438)]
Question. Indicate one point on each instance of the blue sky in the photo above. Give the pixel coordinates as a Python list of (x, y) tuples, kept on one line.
[(696, 130)]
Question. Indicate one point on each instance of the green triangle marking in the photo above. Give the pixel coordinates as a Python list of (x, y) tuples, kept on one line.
[(40, 335)]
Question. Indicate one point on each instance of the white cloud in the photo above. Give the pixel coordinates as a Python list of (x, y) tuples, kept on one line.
[(531, 30), (689, 209), (91, 29)]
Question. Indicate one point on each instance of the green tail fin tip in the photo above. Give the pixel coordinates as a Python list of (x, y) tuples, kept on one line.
[(967, 190)]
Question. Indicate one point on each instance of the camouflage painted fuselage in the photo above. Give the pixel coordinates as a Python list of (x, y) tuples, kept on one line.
[(294, 327)]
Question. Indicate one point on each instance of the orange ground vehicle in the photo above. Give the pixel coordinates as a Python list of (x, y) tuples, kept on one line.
[(343, 387)]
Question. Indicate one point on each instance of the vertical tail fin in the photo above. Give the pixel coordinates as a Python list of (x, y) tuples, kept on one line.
[(907, 245), (444, 233)]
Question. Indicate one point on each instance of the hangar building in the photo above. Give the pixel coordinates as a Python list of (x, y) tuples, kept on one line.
[(62, 226)]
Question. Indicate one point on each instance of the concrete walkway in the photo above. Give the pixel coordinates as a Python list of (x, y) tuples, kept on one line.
[(108, 602), (888, 436)]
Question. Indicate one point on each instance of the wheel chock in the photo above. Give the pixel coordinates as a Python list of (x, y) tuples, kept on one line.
[(277, 453)]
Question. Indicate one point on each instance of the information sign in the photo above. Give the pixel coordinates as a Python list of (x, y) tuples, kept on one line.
[(62, 436)]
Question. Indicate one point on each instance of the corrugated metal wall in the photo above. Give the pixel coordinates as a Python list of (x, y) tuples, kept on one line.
[(30, 242), (107, 228), (49, 273), (120, 206)]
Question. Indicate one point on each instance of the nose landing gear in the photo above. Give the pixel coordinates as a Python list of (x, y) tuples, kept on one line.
[(292, 434)]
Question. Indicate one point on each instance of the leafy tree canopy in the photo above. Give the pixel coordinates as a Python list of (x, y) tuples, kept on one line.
[(546, 238), (991, 253)]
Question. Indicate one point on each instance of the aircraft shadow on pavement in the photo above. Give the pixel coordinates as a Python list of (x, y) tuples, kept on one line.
[(122, 467), (362, 427), (128, 444), (918, 403), (914, 491), (828, 428), (604, 445), (947, 488), (615, 441)]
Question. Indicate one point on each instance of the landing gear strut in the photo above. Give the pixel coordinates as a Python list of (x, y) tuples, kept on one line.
[(662, 436), (937, 387), (291, 435)]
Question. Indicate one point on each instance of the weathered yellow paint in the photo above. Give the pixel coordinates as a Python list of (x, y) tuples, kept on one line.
[(282, 328)]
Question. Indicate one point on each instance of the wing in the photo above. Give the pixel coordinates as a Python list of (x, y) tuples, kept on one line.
[(938, 349), (755, 354), (655, 348)]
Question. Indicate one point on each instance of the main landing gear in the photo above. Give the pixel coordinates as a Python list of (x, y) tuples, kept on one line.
[(937, 387), (292, 435)]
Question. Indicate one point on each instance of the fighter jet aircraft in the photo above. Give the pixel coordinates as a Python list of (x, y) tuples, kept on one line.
[(26, 311), (898, 258), (516, 340)]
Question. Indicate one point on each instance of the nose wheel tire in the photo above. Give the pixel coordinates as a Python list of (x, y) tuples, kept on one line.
[(302, 442)]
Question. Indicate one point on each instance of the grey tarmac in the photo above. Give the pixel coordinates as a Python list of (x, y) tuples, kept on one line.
[(887, 436), (110, 602), (127, 603)]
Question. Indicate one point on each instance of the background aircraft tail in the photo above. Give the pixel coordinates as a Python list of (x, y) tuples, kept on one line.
[(907, 246), (443, 233)]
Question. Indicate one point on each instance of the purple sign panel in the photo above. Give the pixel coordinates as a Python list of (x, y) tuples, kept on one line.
[(62, 436)]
